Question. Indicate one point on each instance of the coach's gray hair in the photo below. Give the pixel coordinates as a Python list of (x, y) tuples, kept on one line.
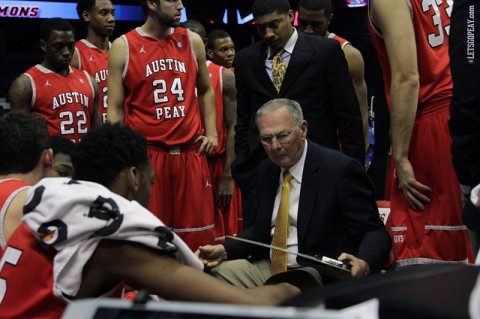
[(291, 106)]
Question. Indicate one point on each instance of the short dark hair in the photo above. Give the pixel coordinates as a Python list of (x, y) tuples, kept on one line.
[(105, 151), (316, 5), (84, 5), (214, 36), (143, 4), (61, 145), (23, 138), (58, 24), (196, 26), (263, 7)]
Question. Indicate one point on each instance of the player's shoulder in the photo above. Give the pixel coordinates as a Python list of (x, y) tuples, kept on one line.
[(317, 41)]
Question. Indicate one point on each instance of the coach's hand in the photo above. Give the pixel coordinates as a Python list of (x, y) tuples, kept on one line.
[(211, 255)]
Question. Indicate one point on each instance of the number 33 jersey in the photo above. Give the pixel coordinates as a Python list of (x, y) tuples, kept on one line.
[(431, 23), (65, 102), (159, 81)]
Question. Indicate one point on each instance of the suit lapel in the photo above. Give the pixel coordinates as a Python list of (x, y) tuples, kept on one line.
[(267, 194), (308, 192), (300, 59), (258, 67)]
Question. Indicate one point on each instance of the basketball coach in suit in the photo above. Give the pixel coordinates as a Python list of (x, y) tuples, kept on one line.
[(331, 208), (289, 64)]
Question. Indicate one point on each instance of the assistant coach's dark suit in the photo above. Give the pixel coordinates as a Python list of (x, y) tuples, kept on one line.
[(337, 213), (317, 77)]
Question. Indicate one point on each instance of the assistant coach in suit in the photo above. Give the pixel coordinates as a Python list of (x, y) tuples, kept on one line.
[(332, 210), (316, 76)]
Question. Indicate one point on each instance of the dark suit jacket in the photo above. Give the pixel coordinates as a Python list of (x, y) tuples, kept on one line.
[(337, 213), (317, 77)]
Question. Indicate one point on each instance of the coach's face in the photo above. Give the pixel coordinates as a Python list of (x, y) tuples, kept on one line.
[(283, 139), (275, 28), (58, 50)]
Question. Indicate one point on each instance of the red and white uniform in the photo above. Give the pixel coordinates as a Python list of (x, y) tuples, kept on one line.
[(95, 62), (437, 233), (161, 103), (64, 221), (227, 219), (9, 188), (65, 102), (342, 41), (26, 261)]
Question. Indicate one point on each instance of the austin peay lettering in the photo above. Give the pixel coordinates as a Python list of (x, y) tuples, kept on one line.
[(170, 112), (69, 98), (165, 65), (101, 76)]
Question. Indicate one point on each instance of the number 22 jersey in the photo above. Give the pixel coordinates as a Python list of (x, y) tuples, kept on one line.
[(65, 102)]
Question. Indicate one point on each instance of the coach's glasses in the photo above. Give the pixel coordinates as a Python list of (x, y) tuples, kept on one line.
[(282, 138)]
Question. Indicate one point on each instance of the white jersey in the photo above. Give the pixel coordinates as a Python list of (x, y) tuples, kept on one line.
[(73, 216)]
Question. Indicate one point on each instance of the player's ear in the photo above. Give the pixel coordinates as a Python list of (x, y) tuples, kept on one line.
[(85, 16), (150, 4), (210, 53), (43, 45), (133, 179), (47, 158)]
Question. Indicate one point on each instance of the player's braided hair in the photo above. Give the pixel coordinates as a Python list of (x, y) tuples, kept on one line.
[(105, 151)]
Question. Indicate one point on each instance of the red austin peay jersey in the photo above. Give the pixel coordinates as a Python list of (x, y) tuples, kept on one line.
[(36, 300), (9, 188), (66, 102), (95, 62), (216, 78), (159, 93), (436, 234), (432, 50)]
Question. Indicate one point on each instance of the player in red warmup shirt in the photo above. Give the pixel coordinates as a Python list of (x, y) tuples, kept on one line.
[(25, 158), (66, 97), (159, 86), (91, 53), (425, 222)]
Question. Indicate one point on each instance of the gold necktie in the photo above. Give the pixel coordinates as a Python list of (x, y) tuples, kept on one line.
[(282, 226), (279, 67)]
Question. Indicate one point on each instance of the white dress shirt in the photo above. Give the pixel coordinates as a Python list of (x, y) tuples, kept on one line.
[(295, 185)]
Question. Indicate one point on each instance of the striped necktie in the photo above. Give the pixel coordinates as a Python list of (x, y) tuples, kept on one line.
[(282, 226)]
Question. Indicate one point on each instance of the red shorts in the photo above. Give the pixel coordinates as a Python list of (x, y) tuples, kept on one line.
[(182, 195), (228, 219), (437, 233)]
